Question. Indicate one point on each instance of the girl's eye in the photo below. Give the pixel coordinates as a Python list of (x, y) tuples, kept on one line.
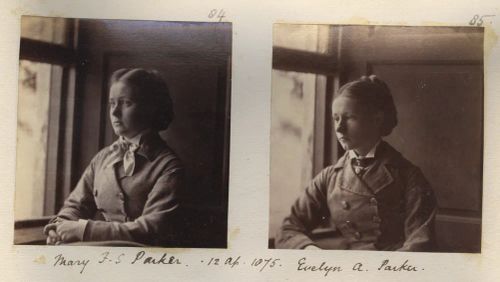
[(128, 103)]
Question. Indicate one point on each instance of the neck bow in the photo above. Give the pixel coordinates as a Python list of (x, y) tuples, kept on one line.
[(125, 151), (360, 164)]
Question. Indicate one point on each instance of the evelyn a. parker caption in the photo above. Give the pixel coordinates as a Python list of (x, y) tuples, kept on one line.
[(260, 264)]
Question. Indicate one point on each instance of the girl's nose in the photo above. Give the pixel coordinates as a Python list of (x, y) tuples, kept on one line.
[(115, 110), (340, 125)]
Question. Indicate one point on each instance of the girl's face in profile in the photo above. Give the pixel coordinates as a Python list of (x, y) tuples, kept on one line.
[(128, 114), (357, 128)]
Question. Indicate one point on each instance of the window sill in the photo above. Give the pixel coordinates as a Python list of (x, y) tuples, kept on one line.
[(30, 231)]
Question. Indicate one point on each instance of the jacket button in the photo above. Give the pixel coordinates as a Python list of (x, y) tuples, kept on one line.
[(349, 224), (377, 219), (357, 235), (373, 201), (345, 205)]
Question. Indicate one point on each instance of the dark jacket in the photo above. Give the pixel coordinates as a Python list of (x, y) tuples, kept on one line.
[(140, 208), (391, 207)]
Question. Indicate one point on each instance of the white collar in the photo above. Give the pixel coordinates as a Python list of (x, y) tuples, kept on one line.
[(371, 153)]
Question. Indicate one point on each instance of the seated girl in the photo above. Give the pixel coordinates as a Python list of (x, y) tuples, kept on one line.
[(130, 190), (374, 197)]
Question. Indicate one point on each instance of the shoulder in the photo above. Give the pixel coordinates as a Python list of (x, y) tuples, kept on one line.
[(101, 157), (410, 172), (156, 150), (328, 171), (169, 159), (327, 174), (162, 159)]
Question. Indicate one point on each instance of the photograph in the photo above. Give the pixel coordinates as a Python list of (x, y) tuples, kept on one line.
[(376, 138), (223, 140), (123, 133)]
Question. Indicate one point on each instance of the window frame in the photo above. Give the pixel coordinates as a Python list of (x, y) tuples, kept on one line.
[(60, 120)]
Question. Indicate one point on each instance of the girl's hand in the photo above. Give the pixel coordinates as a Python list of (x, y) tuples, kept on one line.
[(70, 230), (312, 247), (52, 237)]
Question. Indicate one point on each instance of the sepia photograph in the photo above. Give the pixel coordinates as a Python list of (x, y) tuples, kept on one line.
[(376, 138), (122, 133)]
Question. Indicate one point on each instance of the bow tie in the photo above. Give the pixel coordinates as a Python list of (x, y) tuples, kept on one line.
[(124, 151), (361, 164)]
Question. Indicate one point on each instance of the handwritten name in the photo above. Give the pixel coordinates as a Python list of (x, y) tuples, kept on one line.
[(141, 257), (323, 267), (405, 266), (62, 261)]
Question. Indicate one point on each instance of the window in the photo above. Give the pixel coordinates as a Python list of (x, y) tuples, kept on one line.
[(303, 71), (32, 137), (45, 67)]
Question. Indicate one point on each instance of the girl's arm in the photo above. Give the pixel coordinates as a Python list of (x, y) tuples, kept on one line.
[(307, 212), (420, 212)]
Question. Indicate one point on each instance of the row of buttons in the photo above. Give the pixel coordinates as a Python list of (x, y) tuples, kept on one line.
[(350, 225), (346, 206), (120, 195)]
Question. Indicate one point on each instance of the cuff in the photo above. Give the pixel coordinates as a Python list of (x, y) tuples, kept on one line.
[(80, 229), (311, 244)]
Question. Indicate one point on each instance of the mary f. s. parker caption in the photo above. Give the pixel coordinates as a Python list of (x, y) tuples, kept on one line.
[(261, 264)]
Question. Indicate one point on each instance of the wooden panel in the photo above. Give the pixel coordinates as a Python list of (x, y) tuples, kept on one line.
[(440, 126), (31, 236), (469, 240)]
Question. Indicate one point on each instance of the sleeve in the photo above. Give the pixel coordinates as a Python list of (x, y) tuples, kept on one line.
[(80, 204), (420, 212), (307, 213), (158, 220)]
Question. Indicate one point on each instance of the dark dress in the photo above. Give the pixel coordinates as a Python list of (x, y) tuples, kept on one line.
[(390, 207)]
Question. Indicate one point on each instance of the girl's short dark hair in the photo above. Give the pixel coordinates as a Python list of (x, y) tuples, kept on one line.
[(376, 95), (153, 89)]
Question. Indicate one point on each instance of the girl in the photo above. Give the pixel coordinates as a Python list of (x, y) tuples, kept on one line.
[(373, 196), (130, 190)]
